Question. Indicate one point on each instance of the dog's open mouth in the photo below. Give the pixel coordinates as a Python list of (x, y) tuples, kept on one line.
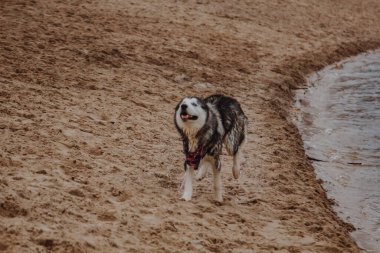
[(186, 116)]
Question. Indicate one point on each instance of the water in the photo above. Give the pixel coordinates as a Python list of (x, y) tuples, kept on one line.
[(339, 120)]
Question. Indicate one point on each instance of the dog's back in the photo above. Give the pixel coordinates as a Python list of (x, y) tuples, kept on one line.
[(233, 119)]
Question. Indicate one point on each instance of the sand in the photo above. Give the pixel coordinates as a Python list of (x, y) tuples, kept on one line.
[(90, 159)]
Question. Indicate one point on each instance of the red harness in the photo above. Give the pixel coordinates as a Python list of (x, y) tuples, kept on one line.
[(193, 158)]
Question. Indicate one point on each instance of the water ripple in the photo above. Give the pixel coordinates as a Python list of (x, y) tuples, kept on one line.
[(339, 120)]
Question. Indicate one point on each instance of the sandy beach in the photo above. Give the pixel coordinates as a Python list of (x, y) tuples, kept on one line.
[(90, 160)]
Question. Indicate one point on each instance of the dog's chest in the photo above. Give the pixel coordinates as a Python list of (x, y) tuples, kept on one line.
[(193, 145), (193, 141)]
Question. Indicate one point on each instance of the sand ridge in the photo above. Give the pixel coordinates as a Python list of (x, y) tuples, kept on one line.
[(90, 159)]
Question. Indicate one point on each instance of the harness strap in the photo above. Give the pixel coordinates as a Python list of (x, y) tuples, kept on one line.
[(193, 158)]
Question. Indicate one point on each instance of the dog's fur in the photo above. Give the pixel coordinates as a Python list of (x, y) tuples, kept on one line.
[(205, 125)]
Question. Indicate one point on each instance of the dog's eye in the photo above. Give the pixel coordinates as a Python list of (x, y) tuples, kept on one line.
[(194, 104)]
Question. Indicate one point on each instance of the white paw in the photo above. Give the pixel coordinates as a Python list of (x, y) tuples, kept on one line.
[(200, 176), (219, 199), (218, 196), (236, 173), (185, 198)]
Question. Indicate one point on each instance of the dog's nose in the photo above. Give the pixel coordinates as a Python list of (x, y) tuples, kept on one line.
[(183, 106)]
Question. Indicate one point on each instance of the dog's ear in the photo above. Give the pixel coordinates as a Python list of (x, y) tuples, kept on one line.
[(203, 105), (201, 102)]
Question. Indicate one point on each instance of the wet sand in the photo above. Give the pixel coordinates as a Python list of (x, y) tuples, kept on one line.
[(90, 160)]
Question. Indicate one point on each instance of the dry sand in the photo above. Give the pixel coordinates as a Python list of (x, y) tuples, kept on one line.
[(90, 159)]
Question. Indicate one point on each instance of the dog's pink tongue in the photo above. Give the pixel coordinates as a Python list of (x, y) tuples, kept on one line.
[(185, 116)]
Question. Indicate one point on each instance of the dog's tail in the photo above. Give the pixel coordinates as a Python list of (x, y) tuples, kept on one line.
[(234, 142), (245, 131)]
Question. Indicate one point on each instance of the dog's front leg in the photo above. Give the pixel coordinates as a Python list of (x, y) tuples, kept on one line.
[(202, 170), (188, 183)]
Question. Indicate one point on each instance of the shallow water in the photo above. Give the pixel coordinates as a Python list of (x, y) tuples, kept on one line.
[(339, 120)]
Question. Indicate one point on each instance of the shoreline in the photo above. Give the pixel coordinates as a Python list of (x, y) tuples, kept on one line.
[(91, 160), (356, 203)]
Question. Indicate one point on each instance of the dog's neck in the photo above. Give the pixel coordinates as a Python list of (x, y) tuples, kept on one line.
[(197, 139), (191, 135)]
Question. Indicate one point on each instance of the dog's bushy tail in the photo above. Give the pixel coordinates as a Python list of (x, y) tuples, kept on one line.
[(234, 142), (237, 136)]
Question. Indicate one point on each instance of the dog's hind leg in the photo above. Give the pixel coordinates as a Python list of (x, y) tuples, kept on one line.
[(188, 183), (218, 186), (236, 164)]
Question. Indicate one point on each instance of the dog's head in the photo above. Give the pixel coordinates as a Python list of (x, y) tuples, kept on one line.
[(191, 113)]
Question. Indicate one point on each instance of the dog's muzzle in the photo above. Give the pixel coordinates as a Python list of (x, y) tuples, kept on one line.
[(185, 115)]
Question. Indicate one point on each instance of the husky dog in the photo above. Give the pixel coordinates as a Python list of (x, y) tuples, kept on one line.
[(205, 125)]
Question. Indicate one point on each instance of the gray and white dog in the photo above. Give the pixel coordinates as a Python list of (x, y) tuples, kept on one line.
[(205, 125)]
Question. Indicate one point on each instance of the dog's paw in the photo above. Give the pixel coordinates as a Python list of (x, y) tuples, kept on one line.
[(185, 198), (217, 202), (236, 172), (219, 199), (201, 173), (199, 176)]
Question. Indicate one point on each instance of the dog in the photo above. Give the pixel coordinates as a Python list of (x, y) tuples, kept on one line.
[(205, 125)]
